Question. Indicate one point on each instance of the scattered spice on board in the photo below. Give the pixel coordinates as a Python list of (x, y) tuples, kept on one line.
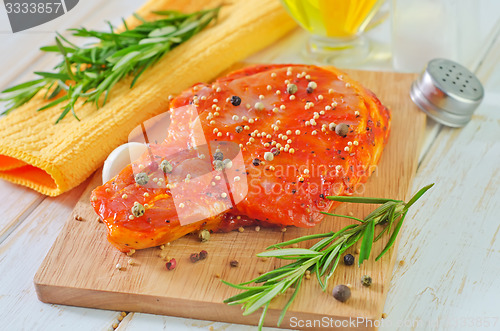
[(171, 264), (194, 257), (366, 281), (348, 259), (341, 292), (203, 255), (204, 235)]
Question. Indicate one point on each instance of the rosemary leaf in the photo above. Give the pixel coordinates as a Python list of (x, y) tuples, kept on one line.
[(390, 220), (263, 316), (240, 296), (345, 216), (297, 240), (269, 294), (330, 258), (269, 275), (393, 237), (360, 199), (23, 86), (417, 196), (53, 103), (321, 257), (366, 243), (91, 72), (289, 252), (242, 287), (288, 304), (334, 266)]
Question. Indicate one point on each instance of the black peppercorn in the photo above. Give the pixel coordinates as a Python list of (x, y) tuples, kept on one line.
[(235, 100), (218, 156), (234, 263), (309, 90), (256, 162), (348, 259)]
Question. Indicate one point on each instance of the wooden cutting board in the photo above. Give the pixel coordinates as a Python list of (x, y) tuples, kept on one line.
[(80, 268)]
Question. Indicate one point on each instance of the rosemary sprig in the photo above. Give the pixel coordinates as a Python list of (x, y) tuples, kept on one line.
[(91, 72), (323, 257)]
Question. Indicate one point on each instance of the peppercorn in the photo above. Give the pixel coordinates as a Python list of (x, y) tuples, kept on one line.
[(218, 165), (348, 259), (309, 90), (268, 156), (227, 163), (366, 280), (256, 162), (138, 210), (195, 257), (218, 156), (204, 235), (238, 129), (259, 106), (141, 178), (291, 88), (341, 292), (342, 129), (166, 167), (171, 264), (235, 100), (275, 151), (234, 263), (312, 85), (203, 255)]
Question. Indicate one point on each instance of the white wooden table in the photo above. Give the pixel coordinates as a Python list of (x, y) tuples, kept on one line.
[(449, 255)]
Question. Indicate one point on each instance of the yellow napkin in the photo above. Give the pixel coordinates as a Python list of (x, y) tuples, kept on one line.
[(52, 159)]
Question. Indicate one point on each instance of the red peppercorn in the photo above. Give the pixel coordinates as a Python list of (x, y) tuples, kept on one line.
[(171, 264), (195, 257), (203, 255)]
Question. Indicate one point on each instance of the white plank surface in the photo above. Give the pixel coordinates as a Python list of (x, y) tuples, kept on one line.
[(139, 322), (450, 245), (24, 200), (20, 256)]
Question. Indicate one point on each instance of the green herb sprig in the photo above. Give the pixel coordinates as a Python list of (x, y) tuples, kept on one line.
[(91, 72), (323, 257)]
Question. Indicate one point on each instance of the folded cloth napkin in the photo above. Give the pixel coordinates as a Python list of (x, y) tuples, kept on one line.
[(53, 158)]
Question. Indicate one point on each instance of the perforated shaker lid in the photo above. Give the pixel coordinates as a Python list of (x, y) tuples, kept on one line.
[(447, 92)]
